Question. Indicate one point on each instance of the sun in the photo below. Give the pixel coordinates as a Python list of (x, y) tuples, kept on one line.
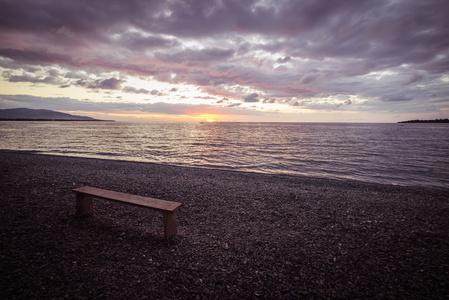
[(208, 118)]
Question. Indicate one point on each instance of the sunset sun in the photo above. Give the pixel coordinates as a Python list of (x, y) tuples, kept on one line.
[(208, 118)]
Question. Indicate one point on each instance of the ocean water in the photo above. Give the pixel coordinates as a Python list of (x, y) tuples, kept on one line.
[(401, 154)]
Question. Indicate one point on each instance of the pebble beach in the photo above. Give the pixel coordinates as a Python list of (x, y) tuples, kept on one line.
[(240, 235)]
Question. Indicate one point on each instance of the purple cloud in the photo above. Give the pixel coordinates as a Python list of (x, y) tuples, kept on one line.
[(136, 41), (251, 98), (286, 49), (284, 60), (107, 84), (395, 97), (33, 79), (192, 58), (133, 90), (36, 57), (414, 78)]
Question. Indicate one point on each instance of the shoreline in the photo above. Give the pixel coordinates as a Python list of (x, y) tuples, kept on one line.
[(241, 234), (226, 169)]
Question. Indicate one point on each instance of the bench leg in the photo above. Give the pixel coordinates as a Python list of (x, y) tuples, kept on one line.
[(170, 224), (84, 205)]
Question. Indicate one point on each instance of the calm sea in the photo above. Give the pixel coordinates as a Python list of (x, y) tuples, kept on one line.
[(402, 154)]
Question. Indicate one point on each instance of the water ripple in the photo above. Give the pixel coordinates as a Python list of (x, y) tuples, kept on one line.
[(408, 154)]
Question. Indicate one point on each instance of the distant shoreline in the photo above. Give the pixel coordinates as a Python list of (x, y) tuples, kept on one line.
[(427, 121), (57, 120), (27, 114)]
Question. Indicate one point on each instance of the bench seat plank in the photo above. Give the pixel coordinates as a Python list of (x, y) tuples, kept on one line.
[(156, 204)]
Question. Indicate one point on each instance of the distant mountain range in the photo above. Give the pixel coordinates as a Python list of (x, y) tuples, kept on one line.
[(26, 114)]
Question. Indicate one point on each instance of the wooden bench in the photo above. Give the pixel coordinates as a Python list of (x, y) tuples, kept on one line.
[(84, 205)]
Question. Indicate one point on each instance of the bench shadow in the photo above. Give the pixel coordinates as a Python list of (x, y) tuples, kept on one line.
[(101, 229)]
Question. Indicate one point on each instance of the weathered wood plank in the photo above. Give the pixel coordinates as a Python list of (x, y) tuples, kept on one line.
[(84, 205), (156, 204)]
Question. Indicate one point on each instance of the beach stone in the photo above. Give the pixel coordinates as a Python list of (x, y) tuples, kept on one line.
[(248, 235)]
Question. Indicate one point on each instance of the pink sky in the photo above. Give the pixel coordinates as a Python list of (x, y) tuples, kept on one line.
[(340, 61)]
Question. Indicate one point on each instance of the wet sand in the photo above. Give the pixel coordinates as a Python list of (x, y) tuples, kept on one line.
[(241, 235)]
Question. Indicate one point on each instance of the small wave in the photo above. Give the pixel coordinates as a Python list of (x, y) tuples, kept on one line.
[(326, 150), (108, 153)]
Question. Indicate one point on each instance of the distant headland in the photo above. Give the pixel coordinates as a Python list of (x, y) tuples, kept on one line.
[(26, 114), (427, 121)]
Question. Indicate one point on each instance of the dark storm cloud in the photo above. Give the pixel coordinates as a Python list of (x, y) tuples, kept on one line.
[(251, 98), (34, 57), (110, 84), (395, 97), (414, 78), (308, 79), (361, 28), (296, 103), (192, 58), (133, 90), (33, 79), (138, 42), (107, 84)]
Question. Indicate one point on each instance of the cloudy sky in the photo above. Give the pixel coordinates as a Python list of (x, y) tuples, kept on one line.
[(228, 60)]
